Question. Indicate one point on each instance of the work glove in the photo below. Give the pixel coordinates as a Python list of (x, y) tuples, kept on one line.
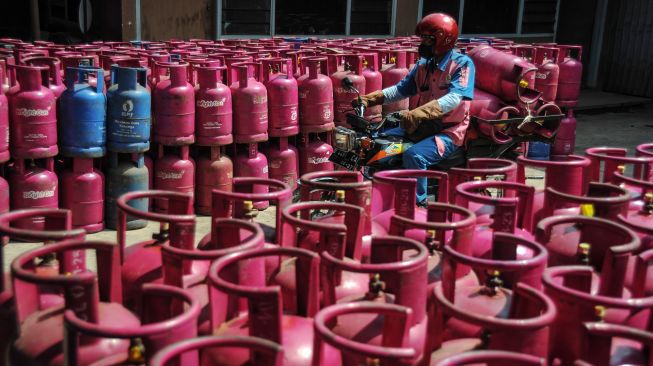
[(410, 120), (369, 100)]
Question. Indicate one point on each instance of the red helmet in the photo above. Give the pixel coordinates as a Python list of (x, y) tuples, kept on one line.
[(442, 28)]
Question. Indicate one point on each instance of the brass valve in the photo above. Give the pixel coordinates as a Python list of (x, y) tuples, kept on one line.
[(136, 352), (431, 243), (587, 210), (584, 253), (375, 286), (340, 196), (493, 282), (250, 212), (600, 311), (621, 169), (523, 83), (648, 203), (162, 235)]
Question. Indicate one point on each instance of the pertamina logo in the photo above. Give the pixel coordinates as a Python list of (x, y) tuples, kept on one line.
[(26, 112), (211, 103), (34, 195), (170, 175)]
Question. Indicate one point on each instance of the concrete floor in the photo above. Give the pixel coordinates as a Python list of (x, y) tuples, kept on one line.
[(621, 128)]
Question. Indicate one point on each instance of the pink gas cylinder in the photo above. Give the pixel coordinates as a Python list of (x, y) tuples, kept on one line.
[(252, 163), (93, 297), (170, 315), (106, 60), (282, 161), (565, 176), (232, 71), (611, 344), (283, 100), (232, 236), (394, 72), (393, 277), (214, 171), (174, 170), (149, 164), (174, 106), (482, 169), (644, 149), (141, 261), (261, 350), (4, 78), (394, 348), (33, 115), (250, 104), (493, 358), (483, 101), (637, 188), (55, 82), (316, 97), (510, 212), (373, 79), (642, 216), (260, 311), (342, 97), (565, 140), (615, 160), (4, 118), (504, 75), (298, 61), (548, 71), (645, 233), (33, 186), (213, 112), (153, 71), (4, 196), (314, 151), (571, 74), (82, 191)]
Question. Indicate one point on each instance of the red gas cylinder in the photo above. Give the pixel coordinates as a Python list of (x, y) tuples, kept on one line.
[(392, 73), (316, 97), (615, 160), (250, 104), (261, 350), (611, 344), (644, 149), (502, 74), (342, 97), (170, 316), (82, 191), (482, 169), (548, 71), (483, 101), (213, 113), (214, 171), (252, 163), (314, 152), (33, 115), (564, 176), (260, 311), (373, 79), (492, 358), (174, 170), (298, 61), (571, 74), (4, 118), (641, 221), (393, 277), (511, 211), (153, 71), (33, 186), (93, 297), (4, 76), (565, 140), (637, 188), (232, 236), (283, 100), (394, 334), (601, 200), (232, 71), (174, 106), (283, 161), (55, 82)]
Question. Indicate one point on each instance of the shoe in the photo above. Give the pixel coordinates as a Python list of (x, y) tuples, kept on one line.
[(423, 203)]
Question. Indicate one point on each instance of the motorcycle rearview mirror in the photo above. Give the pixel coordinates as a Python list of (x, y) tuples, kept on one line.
[(348, 84)]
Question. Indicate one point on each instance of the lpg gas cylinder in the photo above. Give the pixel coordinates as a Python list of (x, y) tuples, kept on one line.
[(393, 72), (614, 160), (611, 344), (213, 113), (492, 357), (393, 277), (128, 110), (4, 77), (250, 104), (33, 116), (252, 163), (565, 140), (282, 160), (601, 200), (314, 152), (316, 97), (511, 211), (4, 118), (264, 317), (571, 73), (153, 71), (170, 316), (174, 106), (373, 79), (33, 186), (394, 333), (641, 220), (342, 96), (82, 191), (174, 170), (644, 149), (548, 71), (481, 169), (106, 62), (96, 299), (82, 108), (232, 69), (214, 171), (125, 173), (53, 64), (283, 100)]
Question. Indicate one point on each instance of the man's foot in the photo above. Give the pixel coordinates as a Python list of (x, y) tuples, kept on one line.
[(423, 203)]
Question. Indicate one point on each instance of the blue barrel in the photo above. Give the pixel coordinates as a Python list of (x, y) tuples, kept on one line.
[(129, 110), (82, 111), (125, 173), (538, 150)]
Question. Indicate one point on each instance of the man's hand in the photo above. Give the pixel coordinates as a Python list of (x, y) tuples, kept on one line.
[(408, 122), (369, 100), (412, 119)]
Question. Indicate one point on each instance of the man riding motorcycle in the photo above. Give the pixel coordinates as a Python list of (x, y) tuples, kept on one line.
[(444, 80)]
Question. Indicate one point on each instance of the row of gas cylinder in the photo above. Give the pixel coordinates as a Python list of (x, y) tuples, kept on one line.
[(493, 271)]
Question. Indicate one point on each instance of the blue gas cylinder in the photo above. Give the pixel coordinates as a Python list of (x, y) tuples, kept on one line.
[(125, 173), (129, 110), (538, 150), (82, 110)]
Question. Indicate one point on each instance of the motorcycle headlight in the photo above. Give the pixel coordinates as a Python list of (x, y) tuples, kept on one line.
[(345, 139)]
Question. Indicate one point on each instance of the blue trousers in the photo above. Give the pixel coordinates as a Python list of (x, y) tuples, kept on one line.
[(422, 155)]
